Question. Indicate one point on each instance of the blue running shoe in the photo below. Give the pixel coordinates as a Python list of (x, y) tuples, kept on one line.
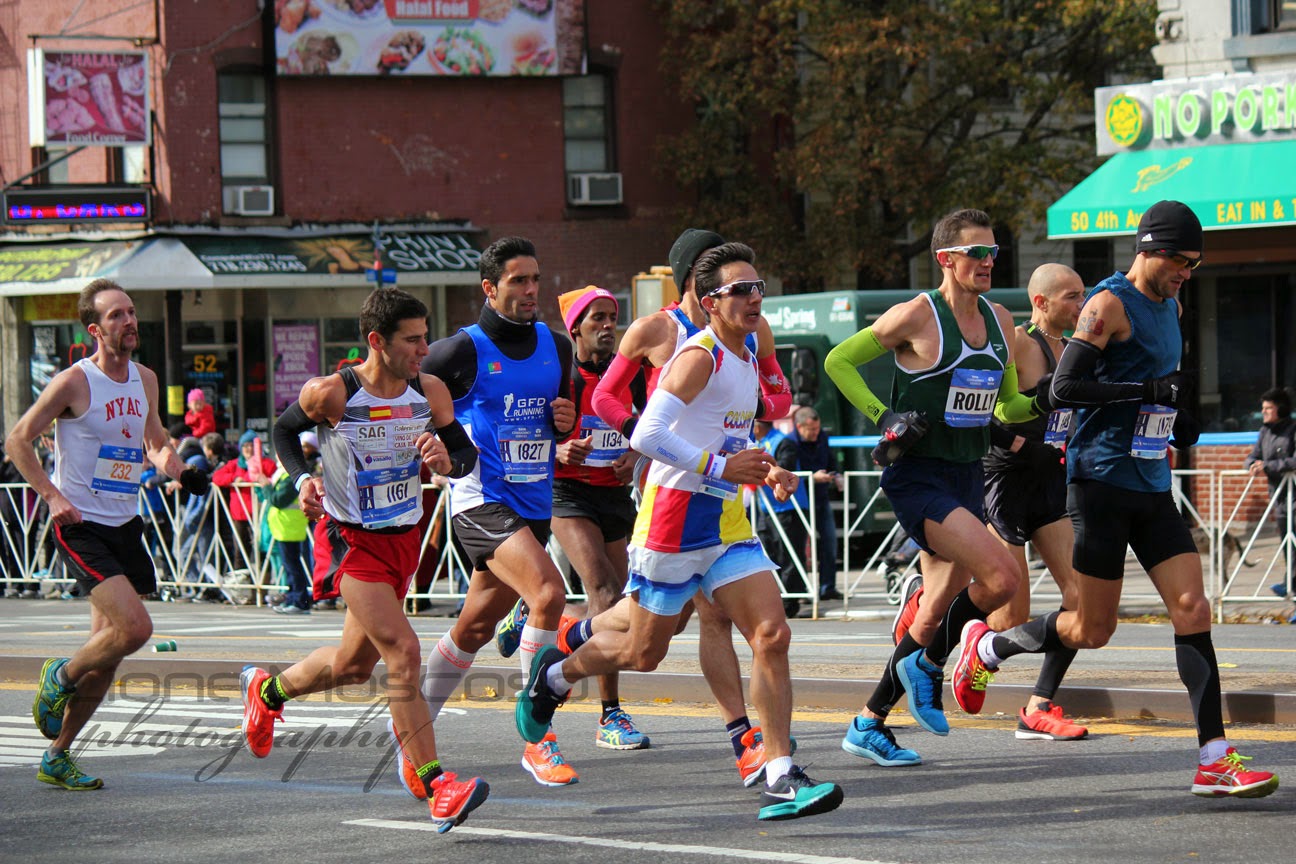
[(922, 681), (536, 703), (872, 739), (795, 795), (508, 632), (60, 770), (617, 732), (51, 699)]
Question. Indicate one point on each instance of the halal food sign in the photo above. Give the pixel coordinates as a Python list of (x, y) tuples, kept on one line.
[(91, 97)]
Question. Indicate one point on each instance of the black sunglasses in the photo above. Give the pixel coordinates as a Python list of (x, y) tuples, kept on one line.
[(741, 288)]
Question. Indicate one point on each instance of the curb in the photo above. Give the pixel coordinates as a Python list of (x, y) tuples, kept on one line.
[(838, 694)]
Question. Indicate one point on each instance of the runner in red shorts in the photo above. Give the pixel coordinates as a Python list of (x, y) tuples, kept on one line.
[(376, 423)]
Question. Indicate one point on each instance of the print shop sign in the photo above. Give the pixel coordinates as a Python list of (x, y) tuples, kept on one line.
[(1191, 112)]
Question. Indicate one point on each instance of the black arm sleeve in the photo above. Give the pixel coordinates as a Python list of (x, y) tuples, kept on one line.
[(463, 454), (453, 360), (287, 445), (1075, 381)]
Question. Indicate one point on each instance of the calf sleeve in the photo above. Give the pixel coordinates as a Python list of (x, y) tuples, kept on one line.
[(1199, 671)]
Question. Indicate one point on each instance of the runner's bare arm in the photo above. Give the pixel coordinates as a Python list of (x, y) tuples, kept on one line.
[(157, 446), (68, 395)]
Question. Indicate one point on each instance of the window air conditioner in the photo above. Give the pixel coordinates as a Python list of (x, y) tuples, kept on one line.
[(593, 188), (254, 200)]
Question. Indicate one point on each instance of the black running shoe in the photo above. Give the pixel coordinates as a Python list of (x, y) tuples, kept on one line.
[(795, 795)]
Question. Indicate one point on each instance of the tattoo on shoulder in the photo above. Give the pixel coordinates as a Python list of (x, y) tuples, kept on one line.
[(1090, 323)]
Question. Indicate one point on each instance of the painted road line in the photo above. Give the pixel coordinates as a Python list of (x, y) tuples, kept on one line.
[(610, 843)]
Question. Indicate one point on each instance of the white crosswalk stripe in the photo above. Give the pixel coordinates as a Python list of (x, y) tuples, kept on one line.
[(139, 727)]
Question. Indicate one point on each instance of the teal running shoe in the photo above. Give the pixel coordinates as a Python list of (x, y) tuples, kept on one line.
[(60, 770), (922, 681), (536, 703), (617, 732), (508, 632), (51, 699), (795, 795), (872, 739)]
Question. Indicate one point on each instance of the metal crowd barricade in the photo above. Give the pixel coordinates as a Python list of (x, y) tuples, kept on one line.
[(1237, 567), (1246, 580)]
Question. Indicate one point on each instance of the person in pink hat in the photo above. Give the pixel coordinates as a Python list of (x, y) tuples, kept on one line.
[(200, 417)]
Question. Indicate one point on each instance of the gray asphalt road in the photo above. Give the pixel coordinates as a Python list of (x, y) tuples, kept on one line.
[(180, 788)]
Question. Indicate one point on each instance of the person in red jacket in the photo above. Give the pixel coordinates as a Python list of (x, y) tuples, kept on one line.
[(200, 417), (251, 469)]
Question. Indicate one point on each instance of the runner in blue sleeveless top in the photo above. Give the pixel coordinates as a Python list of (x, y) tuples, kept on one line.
[(509, 375), (1121, 368)]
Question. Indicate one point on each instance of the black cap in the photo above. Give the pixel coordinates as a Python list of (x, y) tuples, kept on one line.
[(688, 246), (179, 430), (1169, 225)]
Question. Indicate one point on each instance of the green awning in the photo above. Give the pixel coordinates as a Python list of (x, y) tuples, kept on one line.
[(1227, 186)]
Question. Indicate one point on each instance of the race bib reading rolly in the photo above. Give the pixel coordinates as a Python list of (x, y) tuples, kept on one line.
[(608, 445), (1152, 432), (387, 493), (117, 471), (1059, 426), (972, 396), (723, 488), (525, 453)]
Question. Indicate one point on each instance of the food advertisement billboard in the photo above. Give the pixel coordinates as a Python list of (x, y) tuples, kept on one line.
[(94, 98), (430, 37)]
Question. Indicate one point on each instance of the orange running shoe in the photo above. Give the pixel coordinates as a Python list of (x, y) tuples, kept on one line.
[(565, 623), (546, 764), (1226, 776), (910, 593), (258, 719), (405, 769), (751, 765), (1047, 723), (453, 799)]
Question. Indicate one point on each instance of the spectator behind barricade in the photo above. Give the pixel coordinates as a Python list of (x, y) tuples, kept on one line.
[(196, 523), (813, 455), (247, 468), (1275, 455), (159, 533), (14, 504), (785, 453), (200, 418), (288, 526), (183, 440)]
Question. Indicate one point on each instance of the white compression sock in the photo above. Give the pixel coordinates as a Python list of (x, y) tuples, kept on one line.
[(447, 665), (554, 678), (533, 640)]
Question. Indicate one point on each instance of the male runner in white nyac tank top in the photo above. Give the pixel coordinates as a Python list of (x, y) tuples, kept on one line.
[(104, 409)]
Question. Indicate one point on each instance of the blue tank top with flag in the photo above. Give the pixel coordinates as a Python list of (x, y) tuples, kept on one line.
[(508, 412)]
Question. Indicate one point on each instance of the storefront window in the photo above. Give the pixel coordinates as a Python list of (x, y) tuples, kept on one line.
[(211, 363), (1254, 353), (342, 344), (56, 345)]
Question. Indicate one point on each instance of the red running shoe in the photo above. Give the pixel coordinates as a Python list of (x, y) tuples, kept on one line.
[(258, 719), (971, 676), (910, 593), (405, 769), (1226, 776), (453, 799), (1047, 723)]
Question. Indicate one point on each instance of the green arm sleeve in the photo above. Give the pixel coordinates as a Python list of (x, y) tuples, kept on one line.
[(1013, 406), (842, 365)]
